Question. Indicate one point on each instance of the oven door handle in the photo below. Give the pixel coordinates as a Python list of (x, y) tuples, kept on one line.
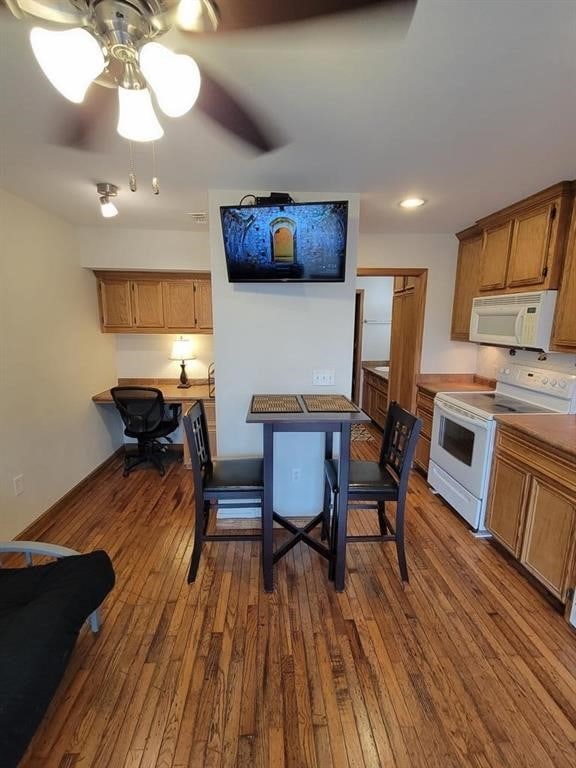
[(447, 411)]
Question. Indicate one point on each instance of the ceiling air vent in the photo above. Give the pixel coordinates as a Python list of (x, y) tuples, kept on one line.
[(198, 217)]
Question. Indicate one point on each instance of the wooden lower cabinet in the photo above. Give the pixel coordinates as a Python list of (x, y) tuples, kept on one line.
[(425, 412), (532, 507), (548, 539), (507, 503), (375, 397)]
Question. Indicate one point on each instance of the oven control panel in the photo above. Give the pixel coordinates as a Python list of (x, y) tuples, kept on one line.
[(558, 383)]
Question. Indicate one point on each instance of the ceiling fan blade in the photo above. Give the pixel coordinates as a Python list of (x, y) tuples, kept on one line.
[(81, 124), (245, 14), (220, 105)]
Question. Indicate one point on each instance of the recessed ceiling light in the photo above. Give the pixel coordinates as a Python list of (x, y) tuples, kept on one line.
[(412, 202)]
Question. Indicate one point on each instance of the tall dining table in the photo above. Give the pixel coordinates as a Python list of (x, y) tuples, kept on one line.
[(330, 414)]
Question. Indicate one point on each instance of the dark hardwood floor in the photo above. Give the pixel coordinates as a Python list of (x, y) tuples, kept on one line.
[(468, 666)]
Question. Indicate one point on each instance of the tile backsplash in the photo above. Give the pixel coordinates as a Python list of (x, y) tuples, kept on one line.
[(490, 359)]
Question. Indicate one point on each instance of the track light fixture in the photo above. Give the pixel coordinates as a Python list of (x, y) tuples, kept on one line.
[(105, 192)]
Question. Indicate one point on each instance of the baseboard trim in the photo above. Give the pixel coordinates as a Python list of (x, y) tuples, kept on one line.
[(42, 523)]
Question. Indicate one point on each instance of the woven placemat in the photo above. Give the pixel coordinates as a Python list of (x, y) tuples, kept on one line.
[(329, 404), (275, 404)]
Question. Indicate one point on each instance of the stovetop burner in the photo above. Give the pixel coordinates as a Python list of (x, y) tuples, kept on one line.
[(495, 403)]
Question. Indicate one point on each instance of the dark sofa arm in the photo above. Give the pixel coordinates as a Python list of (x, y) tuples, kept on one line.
[(42, 610)]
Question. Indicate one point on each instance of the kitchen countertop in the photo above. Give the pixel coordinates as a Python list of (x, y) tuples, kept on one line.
[(557, 430), (371, 366), (460, 382)]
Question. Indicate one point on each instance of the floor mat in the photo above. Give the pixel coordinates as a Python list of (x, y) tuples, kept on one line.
[(361, 433)]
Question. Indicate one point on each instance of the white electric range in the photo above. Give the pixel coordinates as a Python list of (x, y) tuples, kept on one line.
[(463, 432)]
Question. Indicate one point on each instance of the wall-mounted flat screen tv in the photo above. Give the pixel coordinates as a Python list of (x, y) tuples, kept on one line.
[(295, 242)]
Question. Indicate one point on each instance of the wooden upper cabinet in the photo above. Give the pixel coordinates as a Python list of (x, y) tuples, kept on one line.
[(203, 299), (179, 304), (495, 256), (403, 283), (398, 283), (564, 332), (155, 302), (530, 246), (525, 244), (147, 304), (115, 303), (409, 282), (467, 278)]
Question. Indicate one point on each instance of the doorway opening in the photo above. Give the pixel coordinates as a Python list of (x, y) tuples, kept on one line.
[(406, 328)]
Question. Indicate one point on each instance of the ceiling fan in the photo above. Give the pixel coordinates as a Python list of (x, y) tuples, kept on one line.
[(114, 44)]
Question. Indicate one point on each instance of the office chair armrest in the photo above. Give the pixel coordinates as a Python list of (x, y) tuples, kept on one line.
[(331, 475)]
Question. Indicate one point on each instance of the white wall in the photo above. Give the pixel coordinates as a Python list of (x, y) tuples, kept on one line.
[(147, 355), (53, 359), (269, 339), (490, 359), (114, 248), (439, 254), (378, 295)]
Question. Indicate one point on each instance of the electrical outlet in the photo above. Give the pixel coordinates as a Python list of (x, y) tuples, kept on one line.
[(18, 481), (296, 474), (323, 378)]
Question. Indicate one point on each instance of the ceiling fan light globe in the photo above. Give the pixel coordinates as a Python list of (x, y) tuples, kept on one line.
[(70, 59), (175, 78), (137, 120), (197, 16), (189, 14)]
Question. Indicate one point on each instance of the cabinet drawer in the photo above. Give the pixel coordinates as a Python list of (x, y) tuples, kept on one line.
[(422, 453), (424, 401), (426, 422), (538, 458)]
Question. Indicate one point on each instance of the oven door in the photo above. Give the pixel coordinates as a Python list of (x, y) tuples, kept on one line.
[(460, 445)]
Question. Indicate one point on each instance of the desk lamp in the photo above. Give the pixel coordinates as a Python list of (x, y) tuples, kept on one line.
[(182, 350)]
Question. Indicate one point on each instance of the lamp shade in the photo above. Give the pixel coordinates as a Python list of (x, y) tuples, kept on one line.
[(69, 59), (182, 350)]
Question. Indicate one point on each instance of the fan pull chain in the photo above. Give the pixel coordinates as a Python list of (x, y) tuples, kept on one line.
[(155, 182), (132, 170)]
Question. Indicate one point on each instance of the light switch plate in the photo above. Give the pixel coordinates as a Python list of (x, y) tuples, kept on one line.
[(323, 378)]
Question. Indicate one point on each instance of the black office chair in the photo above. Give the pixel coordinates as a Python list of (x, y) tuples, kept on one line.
[(143, 412), (222, 481), (382, 481)]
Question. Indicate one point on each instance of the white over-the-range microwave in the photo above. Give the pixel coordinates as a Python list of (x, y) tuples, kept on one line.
[(514, 319)]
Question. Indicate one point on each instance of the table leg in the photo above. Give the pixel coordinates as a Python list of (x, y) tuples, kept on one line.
[(342, 509), (268, 509), (185, 450)]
